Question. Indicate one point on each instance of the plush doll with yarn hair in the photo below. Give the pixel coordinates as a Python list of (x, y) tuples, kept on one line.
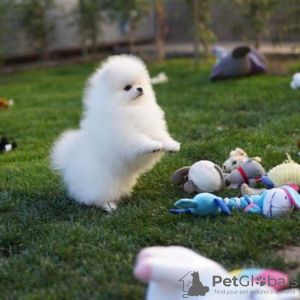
[(175, 272)]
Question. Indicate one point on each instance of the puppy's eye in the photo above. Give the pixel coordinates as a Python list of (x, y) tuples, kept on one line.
[(127, 87), (234, 162)]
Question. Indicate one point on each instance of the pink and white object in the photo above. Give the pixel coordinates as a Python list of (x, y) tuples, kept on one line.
[(173, 272)]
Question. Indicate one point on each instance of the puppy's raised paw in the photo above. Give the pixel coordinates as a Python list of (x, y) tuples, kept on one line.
[(171, 146), (158, 148), (153, 147)]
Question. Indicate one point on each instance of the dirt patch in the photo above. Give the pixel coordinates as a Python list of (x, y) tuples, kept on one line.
[(291, 255)]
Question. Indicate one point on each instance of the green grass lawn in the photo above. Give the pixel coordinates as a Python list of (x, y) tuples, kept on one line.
[(53, 248)]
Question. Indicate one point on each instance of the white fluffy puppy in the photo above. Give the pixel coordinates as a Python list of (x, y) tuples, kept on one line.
[(122, 134)]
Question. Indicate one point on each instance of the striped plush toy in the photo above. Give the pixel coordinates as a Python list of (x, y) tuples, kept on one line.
[(277, 202)]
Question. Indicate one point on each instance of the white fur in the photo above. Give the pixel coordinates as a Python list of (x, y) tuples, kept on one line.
[(122, 134), (295, 84)]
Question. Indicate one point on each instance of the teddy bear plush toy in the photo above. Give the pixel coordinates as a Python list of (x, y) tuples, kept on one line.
[(175, 272), (203, 176)]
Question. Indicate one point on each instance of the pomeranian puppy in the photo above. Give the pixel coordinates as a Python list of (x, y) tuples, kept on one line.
[(122, 134)]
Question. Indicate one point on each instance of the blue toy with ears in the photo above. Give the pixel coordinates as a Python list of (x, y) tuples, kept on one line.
[(204, 204), (272, 203)]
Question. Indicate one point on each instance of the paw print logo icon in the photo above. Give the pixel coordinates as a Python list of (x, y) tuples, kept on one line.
[(260, 280)]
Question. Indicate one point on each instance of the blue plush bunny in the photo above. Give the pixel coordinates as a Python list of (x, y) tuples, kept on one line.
[(204, 204)]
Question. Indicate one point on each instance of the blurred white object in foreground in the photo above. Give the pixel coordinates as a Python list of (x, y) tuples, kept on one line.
[(175, 272), (160, 78), (295, 84)]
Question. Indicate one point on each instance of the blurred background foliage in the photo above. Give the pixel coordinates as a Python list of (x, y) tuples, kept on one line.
[(34, 23)]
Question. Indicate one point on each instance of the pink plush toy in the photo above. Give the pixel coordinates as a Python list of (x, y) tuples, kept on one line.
[(175, 272)]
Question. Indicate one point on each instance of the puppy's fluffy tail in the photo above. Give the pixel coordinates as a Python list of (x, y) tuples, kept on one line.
[(62, 150)]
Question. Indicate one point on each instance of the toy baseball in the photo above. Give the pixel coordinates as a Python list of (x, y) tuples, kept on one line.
[(241, 61), (277, 202), (203, 176), (175, 272)]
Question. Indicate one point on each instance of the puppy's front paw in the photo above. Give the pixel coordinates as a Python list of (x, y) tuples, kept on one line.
[(157, 148), (171, 146), (154, 147)]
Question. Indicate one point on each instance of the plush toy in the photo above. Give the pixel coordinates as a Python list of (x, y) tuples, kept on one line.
[(246, 190), (249, 172), (203, 176), (241, 61), (4, 104), (5, 146), (175, 272), (277, 202), (236, 158), (286, 173), (295, 84)]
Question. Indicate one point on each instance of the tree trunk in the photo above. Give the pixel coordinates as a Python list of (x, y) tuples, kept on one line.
[(196, 32), (131, 37), (257, 39), (94, 44), (160, 29)]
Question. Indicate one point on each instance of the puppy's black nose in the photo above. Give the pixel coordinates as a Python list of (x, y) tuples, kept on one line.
[(140, 89)]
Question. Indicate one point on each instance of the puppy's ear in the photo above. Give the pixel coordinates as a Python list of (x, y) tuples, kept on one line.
[(179, 176)]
